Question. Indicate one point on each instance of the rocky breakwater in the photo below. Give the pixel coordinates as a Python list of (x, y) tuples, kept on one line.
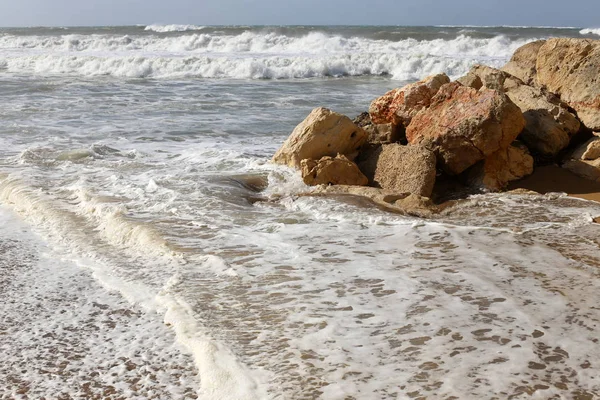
[(434, 140)]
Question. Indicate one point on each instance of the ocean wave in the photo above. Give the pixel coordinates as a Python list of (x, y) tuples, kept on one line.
[(249, 55), (507, 26), (173, 28), (257, 42), (399, 67), (590, 31)]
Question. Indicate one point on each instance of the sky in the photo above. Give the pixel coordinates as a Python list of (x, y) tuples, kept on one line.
[(577, 13)]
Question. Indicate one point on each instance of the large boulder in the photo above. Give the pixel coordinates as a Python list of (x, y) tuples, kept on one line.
[(570, 68), (332, 171), (379, 133), (322, 133), (550, 126), (497, 170), (401, 169), (522, 64), (463, 125), (399, 105)]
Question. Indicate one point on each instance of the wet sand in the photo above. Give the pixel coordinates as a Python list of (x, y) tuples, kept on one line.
[(552, 178)]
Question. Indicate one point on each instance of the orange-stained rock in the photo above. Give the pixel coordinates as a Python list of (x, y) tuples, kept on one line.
[(322, 133), (332, 171), (550, 125), (398, 106), (522, 64), (402, 169), (497, 170), (571, 68), (463, 125)]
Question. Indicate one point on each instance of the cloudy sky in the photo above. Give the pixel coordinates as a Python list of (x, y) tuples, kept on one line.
[(578, 13)]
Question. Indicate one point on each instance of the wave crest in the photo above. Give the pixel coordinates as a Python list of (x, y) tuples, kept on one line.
[(590, 31), (172, 28), (250, 55)]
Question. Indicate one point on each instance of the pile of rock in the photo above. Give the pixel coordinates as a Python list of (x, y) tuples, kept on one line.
[(481, 131)]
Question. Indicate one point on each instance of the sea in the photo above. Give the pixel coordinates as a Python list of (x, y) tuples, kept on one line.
[(149, 249)]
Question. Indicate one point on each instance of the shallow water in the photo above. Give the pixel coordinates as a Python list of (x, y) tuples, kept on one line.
[(150, 250)]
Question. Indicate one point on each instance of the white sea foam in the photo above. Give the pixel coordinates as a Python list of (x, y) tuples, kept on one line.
[(590, 31), (252, 55), (76, 334), (222, 376), (173, 28)]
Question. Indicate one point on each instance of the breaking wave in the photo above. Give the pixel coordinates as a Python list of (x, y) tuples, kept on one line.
[(249, 55), (173, 28), (590, 31)]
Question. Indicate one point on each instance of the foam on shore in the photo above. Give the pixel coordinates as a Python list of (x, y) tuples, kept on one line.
[(221, 375)]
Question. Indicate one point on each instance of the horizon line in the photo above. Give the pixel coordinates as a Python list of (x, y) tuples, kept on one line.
[(297, 25)]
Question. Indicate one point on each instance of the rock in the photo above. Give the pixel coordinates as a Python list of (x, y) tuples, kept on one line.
[(405, 203), (463, 125), (550, 126), (332, 171), (586, 169), (403, 169), (470, 80), (585, 160), (569, 68), (590, 150), (398, 106), (322, 133), (593, 150), (523, 62), (497, 170), (379, 133)]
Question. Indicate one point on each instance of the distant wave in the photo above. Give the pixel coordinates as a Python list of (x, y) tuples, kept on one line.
[(249, 55), (590, 31), (507, 26), (173, 28)]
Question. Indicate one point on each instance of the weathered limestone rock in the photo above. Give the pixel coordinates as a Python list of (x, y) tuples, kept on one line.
[(570, 68), (593, 150), (463, 125), (584, 168), (379, 133), (585, 160), (332, 171), (589, 150), (501, 167), (322, 133), (523, 62), (403, 169), (398, 106), (470, 80), (550, 125)]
